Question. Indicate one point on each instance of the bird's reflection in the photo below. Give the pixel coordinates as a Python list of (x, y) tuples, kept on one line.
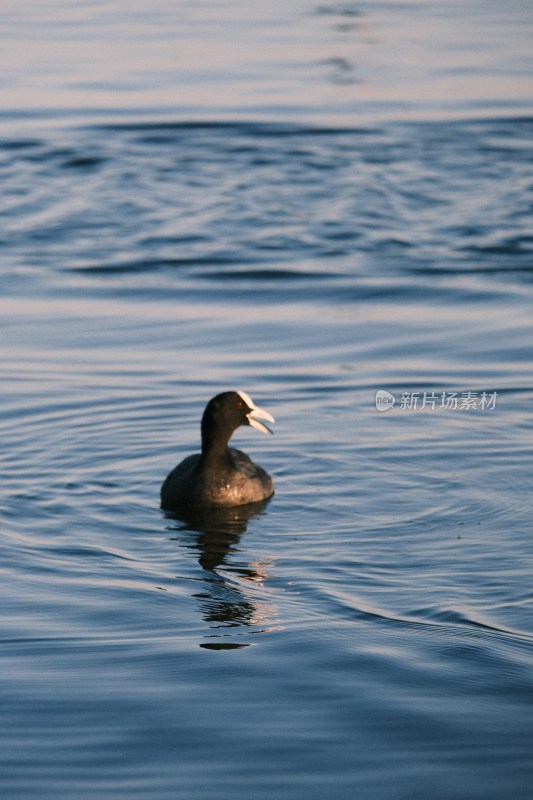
[(225, 604)]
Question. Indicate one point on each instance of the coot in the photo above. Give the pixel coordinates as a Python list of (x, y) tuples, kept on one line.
[(220, 475)]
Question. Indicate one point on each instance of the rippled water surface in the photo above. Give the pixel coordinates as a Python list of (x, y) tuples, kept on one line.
[(368, 632)]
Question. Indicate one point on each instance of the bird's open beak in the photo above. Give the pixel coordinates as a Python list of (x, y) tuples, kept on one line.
[(255, 415)]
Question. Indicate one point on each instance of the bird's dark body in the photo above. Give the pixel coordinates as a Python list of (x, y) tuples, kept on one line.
[(238, 481)]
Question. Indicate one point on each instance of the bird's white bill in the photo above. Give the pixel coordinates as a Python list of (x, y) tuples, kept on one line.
[(256, 423), (255, 415)]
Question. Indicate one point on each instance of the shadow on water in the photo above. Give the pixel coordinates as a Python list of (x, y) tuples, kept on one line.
[(216, 536)]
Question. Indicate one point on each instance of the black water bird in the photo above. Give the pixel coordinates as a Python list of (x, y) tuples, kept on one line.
[(220, 475)]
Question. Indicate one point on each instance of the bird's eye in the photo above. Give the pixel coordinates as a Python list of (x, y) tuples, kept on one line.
[(238, 404)]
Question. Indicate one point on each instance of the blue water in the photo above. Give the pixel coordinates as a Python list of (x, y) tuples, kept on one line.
[(312, 203)]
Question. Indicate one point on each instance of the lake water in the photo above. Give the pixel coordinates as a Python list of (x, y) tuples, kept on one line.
[(313, 203)]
